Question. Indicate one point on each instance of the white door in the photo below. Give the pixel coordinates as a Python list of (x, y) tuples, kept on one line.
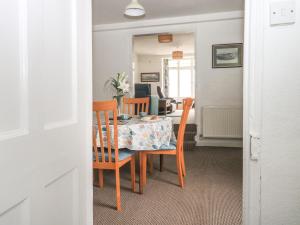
[(45, 112)]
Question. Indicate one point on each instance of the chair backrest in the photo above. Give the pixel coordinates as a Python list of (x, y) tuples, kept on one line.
[(142, 90), (103, 109), (187, 103), (183, 102), (159, 92), (133, 106)]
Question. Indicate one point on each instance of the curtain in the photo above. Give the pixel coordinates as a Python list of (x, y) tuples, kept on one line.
[(166, 77)]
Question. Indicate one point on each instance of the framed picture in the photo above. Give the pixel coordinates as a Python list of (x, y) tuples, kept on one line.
[(150, 77), (227, 55)]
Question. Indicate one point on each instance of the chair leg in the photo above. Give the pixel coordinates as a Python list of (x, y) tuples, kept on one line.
[(100, 175), (132, 171), (183, 164), (141, 181), (179, 170), (161, 162), (118, 191), (144, 158), (94, 175), (150, 160)]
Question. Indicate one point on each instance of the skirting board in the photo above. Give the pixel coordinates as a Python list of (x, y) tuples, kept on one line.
[(234, 143)]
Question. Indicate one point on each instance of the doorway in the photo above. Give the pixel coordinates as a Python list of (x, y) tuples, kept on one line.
[(170, 59), (204, 55), (219, 167)]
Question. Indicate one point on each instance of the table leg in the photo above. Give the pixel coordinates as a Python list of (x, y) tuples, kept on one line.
[(144, 169), (141, 181)]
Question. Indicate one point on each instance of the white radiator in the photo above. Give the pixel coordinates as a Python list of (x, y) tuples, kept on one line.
[(222, 122)]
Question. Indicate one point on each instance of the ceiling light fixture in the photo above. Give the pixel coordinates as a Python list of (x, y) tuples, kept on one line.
[(177, 54), (165, 38), (134, 9)]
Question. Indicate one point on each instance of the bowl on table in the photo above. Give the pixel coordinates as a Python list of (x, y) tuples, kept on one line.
[(124, 117), (143, 114)]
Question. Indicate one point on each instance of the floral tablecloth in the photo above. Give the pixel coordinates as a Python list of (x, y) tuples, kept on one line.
[(140, 135)]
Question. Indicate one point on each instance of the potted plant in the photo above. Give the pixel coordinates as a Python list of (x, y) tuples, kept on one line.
[(119, 86)]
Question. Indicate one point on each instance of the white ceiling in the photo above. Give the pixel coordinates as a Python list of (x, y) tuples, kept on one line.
[(111, 11), (149, 45)]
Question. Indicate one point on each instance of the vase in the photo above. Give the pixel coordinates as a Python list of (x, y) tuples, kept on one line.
[(119, 102)]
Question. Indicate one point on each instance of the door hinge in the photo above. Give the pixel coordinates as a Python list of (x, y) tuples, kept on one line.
[(255, 146)]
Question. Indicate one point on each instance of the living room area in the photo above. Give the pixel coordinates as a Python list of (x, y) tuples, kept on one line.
[(163, 68)]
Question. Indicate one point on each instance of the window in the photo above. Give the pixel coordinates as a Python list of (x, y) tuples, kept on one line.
[(181, 78)]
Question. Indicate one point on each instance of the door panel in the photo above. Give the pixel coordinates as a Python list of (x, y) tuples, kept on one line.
[(17, 215), (60, 60), (65, 189), (13, 69), (45, 116)]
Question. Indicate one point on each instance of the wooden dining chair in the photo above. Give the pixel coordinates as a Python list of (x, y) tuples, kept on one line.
[(109, 157), (133, 106), (173, 149)]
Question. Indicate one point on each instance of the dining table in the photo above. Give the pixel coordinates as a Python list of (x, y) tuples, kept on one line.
[(139, 135)]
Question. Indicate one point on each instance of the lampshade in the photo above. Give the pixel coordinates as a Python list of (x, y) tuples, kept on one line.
[(134, 9), (177, 54), (165, 38)]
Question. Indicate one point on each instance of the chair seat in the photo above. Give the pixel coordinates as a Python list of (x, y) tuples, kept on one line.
[(171, 146), (123, 154)]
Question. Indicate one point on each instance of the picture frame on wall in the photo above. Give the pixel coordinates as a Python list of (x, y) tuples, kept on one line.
[(227, 55), (150, 77)]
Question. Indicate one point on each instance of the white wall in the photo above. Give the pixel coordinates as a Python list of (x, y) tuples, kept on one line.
[(113, 52), (219, 86), (280, 153), (149, 64), (135, 68)]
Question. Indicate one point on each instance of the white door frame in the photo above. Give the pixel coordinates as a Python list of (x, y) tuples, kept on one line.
[(181, 28), (253, 71)]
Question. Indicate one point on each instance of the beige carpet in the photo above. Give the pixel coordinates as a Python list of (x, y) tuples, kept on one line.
[(212, 193)]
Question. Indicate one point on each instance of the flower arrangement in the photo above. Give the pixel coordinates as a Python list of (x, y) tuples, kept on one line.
[(119, 86)]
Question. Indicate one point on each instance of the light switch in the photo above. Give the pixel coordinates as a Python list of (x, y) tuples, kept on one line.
[(282, 12)]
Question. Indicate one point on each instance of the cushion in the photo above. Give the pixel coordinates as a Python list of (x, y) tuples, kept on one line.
[(154, 105), (159, 92), (171, 146), (123, 154)]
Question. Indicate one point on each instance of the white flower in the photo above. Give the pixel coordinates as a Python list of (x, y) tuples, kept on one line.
[(124, 87)]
